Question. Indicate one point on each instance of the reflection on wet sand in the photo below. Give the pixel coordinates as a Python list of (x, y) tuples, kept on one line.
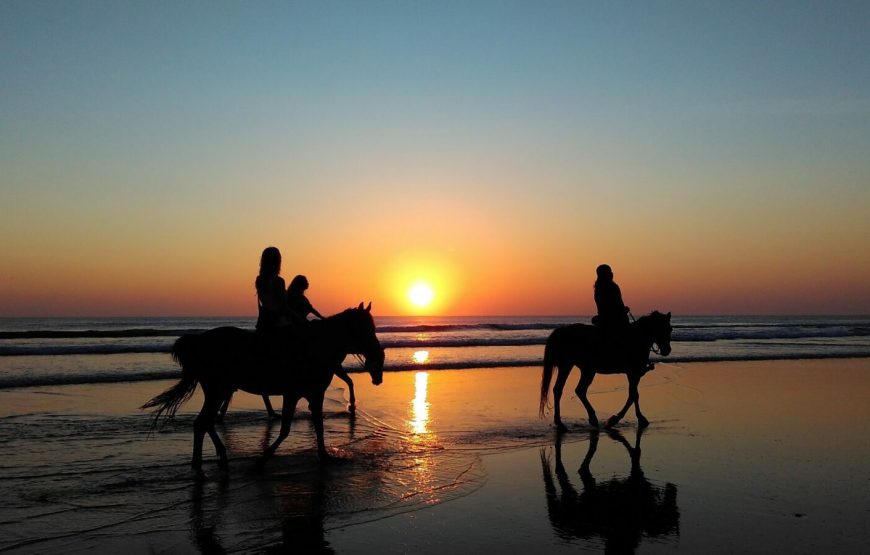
[(385, 467), (283, 515), (205, 527), (619, 511), (420, 406), (421, 442)]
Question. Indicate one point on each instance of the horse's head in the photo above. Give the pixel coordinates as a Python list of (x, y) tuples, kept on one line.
[(660, 329), (363, 340)]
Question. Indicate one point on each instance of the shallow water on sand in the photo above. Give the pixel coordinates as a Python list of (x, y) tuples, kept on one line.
[(740, 457), (79, 473)]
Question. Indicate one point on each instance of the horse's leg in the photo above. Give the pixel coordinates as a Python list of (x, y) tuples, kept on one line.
[(220, 449), (269, 410), (225, 405), (316, 407), (586, 377), (585, 473), (203, 424), (287, 409), (633, 380), (342, 375), (642, 422), (558, 387)]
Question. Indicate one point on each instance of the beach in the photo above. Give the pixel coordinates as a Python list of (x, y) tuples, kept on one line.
[(745, 456)]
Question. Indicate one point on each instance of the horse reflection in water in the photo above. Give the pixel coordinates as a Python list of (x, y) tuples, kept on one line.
[(620, 511), (283, 515)]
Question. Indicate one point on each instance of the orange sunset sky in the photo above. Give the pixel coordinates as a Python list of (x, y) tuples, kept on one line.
[(715, 156)]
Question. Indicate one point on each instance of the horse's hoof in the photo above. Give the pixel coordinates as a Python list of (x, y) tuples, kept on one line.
[(561, 428), (612, 421), (224, 466), (642, 422)]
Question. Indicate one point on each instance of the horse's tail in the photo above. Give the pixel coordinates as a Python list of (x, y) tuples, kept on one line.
[(547, 375), (168, 402)]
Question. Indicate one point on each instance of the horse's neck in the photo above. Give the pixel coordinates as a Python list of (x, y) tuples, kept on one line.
[(332, 330), (643, 330)]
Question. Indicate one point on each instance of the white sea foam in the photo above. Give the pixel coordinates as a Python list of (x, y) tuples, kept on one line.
[(36, 352)]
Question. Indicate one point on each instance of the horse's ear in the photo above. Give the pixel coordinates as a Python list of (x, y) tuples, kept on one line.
[(360, 307), (369, 307)]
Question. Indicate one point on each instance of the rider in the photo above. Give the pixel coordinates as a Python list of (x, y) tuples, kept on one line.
[(297, 303), (271, 302), (612, 315), (299, 308)]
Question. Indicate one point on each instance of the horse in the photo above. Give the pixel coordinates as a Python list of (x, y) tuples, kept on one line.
[(581, 345), (291, 361)]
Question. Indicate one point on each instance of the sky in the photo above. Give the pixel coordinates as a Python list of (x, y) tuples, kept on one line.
[(716, 155)]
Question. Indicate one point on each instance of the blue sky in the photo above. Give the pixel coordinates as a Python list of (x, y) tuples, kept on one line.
[(141, 127)]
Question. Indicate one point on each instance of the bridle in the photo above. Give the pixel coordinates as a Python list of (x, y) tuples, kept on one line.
[(654, 347)]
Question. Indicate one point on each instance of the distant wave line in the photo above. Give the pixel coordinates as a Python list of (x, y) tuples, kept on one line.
[(421, 343), (154, 332), (96, 334), (682, 332)]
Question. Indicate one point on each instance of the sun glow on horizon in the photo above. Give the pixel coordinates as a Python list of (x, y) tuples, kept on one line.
[(422, 284), (421, 294)]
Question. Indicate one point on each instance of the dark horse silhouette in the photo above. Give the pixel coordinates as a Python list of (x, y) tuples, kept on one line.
[(620, 510), (340, 373), (582, 346), (293, 361)]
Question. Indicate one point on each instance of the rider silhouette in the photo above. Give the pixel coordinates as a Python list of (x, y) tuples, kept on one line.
[(297, 303), (612, 316), (271, 301), (271, 304)]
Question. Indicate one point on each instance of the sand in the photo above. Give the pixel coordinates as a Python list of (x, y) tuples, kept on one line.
[(739, 457)]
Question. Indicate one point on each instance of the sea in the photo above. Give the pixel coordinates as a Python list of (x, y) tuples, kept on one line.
[(82, 470), (61, 351)]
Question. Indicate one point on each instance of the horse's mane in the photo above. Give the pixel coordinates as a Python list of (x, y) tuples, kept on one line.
[(652, 316)]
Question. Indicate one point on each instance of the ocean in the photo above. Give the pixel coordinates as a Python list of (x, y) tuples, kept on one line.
[(62, 351), (81, 472)]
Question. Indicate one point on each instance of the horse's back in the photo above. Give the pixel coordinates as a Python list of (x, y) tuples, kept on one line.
[(570, 334), (217, 344)]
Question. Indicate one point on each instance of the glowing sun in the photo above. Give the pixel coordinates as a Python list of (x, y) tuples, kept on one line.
[(421, 294)]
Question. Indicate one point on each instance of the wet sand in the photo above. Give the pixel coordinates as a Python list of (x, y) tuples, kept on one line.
[(739, 457)]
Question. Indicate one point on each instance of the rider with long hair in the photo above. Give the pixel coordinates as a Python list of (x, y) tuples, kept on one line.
[(271, 303)]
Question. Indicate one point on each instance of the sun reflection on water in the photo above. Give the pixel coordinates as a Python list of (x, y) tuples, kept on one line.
[(420, 406), (422, 440), (420, 357)]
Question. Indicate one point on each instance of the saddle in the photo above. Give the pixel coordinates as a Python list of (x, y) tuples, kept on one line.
[(273, 346), (616, 350)]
